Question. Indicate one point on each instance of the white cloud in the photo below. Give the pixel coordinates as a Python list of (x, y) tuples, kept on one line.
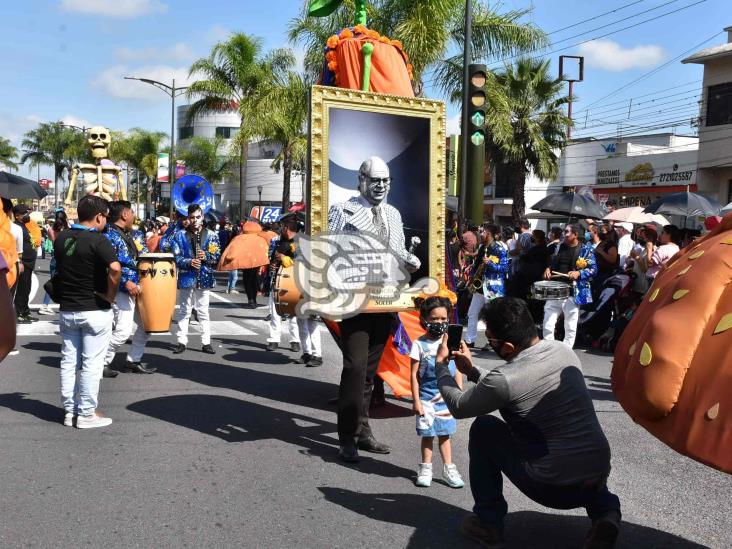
[(611, 56), (114, 8), (175, 53), (217, 33), (453, 125), (72, 120), (112, 81)]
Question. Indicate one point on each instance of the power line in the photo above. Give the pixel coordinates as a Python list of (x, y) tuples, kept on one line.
[(664, 90), (631, 103), (595, 17)]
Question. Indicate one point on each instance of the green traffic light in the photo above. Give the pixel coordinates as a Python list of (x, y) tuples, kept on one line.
[(477, 138), (477, 119)]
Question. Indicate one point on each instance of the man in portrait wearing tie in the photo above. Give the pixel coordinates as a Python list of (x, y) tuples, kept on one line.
[(363, 336)]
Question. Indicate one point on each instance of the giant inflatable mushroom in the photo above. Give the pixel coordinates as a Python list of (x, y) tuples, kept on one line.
[(672, 371)]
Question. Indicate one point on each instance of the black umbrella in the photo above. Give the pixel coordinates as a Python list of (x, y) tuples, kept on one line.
[(571, 205), (15, 186), (685, 204), (214, 215)]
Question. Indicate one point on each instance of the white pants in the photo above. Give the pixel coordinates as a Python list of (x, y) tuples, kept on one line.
[(552, 309), (476, 305), (276, 321), (309, 332), (189, 299), (126, 319)]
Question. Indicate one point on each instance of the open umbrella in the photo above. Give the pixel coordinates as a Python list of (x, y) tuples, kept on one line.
[(571, 205), (637, 216), (685, 204), (726, 209), (15, 186)]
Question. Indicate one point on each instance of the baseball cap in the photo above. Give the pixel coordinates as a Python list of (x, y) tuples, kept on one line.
[(627, 226), (20, 209)]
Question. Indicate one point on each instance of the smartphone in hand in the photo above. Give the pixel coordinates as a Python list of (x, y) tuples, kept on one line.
[(454, 336)]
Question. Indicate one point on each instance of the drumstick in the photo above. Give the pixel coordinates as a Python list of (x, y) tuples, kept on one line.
[(555, 273)]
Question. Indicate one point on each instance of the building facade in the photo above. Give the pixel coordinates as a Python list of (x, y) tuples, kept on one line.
[(263, 184)]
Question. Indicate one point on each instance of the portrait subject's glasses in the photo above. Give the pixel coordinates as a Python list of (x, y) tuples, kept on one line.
[(377, 180)]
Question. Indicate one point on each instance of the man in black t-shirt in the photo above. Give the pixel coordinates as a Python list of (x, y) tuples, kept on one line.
[(21, 212), (85, 286)]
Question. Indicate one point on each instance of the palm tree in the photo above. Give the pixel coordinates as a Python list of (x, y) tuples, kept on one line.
[(202, 156), (432, 34), (232, 72), (280, 111), (49, 144), (8, 154), (526, 125)]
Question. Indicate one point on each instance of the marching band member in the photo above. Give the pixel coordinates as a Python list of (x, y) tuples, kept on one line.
[(282, 253), (126, 315), (197, 252), (577, 261), (492, 258)]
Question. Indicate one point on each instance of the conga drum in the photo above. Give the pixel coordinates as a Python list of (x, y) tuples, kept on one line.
[(286, 293), (157, 300)]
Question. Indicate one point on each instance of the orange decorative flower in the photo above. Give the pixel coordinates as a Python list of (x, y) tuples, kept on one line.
[(332, 42), (397, 44), (384, 40), (410, 71), (360, 29), (330, 56), (373, 34), (332, 66), (345, 34)]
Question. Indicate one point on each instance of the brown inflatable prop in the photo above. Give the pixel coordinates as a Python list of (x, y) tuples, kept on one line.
[(8, 249), (673, 365)]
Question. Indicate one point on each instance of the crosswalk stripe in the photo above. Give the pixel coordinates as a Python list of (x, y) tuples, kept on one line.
[(218, 328)]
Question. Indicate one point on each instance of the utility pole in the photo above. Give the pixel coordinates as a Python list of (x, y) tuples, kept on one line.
[(467, 56), (579, 78), (172, 91)]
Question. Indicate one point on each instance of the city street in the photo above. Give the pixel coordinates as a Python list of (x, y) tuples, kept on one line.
[(239, 449)]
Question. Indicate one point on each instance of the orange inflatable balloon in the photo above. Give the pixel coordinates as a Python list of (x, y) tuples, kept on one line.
[(672, 371), (8, 249)]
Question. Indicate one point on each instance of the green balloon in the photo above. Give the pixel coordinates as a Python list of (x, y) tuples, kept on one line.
[(323, 8)]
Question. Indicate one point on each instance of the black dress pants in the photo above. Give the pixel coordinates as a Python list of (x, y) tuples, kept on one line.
[(250, 282), (362, 341), (22, 292)]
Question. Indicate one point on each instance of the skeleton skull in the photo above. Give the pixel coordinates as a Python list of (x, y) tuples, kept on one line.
[(99, 140)]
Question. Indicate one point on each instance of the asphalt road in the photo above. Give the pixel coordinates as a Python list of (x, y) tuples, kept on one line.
[(239, 449)]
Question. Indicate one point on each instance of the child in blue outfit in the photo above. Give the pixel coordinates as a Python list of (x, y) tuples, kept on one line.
[(433, 417)]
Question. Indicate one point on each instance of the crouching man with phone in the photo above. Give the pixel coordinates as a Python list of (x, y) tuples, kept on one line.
[(549, 444)]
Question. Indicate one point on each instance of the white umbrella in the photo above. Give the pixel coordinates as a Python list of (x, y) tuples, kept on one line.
[(726, 209), (636, 215)]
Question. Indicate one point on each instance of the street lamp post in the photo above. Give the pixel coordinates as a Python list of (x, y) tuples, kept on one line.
[(172, 92), (259, 202)]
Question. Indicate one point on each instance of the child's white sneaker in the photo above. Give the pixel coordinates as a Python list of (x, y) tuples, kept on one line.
[(424, 475), (451, 476)]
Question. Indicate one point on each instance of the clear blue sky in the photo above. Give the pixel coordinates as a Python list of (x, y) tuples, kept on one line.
[(65, 59)]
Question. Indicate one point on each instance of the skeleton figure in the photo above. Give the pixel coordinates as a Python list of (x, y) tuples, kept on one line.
[(103, 177)]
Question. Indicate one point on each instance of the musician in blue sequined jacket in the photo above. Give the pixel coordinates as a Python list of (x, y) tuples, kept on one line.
[(182, 244), (124, 244)]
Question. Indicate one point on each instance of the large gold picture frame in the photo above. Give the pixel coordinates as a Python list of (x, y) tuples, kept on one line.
[(323, 101)]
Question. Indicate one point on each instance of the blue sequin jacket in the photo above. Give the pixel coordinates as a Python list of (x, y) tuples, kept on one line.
[(126, 255), (494, 275), (182, 248)]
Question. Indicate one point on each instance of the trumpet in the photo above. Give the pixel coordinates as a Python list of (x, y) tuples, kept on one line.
[(476, 282)]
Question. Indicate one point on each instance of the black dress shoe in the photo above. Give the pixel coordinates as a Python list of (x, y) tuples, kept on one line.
[(137, 367), (348, 453), (32, 318), (252, 303), (208, 349), (180, 348), (304, 359), (108, 372), (272, 346), (22, 320), (370, 444), (470, 345), (314, 362), (295, 347)]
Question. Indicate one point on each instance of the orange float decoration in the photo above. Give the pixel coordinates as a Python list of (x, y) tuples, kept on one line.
[(8, 249), (247, 250), (672, 371)]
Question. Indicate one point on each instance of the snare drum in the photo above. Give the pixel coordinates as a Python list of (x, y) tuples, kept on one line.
[(549, 290)]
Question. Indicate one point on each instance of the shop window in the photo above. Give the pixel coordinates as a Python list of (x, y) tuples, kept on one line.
[(719, 104), (184, 132), (225, 132)]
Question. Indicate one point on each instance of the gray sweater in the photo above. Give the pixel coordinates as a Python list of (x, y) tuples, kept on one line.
[(542, 396)]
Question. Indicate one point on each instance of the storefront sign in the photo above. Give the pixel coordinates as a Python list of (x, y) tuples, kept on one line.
[(649, 170)]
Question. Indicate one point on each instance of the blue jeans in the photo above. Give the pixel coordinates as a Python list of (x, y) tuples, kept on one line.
[(233, 279), (494, 451), (85, 340)]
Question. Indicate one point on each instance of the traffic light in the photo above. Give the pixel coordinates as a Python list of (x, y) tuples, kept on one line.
[(475, 180)]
